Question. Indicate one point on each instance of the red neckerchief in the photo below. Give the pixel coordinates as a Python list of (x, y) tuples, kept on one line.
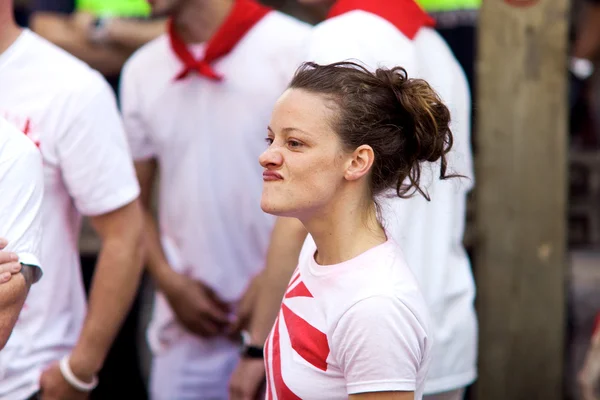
[(244, 15), (597, 325), (406, 15)]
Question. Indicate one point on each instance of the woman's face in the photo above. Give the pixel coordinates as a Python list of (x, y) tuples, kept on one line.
[(304, 164)]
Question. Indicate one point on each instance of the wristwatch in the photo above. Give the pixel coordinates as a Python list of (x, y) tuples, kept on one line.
[(248, 350), (99, 30)]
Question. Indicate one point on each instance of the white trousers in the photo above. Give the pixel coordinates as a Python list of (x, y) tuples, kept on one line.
[(194, 369), (457, 394)]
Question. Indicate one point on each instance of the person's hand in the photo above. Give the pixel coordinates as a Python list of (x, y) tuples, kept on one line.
[(197, 307), (246, 306), (9, 263), (248, 380), (589, 376), (53, 386)]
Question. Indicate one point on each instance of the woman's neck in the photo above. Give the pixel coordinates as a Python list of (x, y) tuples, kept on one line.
[(344, 231), (199, 21)]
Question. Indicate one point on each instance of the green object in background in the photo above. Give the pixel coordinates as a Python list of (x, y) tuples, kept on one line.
[(114, 8), (449, 5)]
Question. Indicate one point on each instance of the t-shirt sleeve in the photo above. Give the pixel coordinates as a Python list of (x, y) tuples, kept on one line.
[(138, 136), (22, 188), (94, 157), (379, 345)]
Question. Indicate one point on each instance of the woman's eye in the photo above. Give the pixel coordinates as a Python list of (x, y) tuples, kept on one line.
[(269, 141), (294, 144)]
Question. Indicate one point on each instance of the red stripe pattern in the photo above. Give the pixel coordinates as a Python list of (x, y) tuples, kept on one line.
[(283, 392), (306, 340), (309, 342)]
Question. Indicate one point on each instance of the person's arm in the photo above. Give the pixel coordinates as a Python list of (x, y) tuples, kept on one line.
[(12, 298), (133, 34), (282, 258), (62, 30), (115, 284), (22, 187), (97, 171), (156, 261), (587, 41)]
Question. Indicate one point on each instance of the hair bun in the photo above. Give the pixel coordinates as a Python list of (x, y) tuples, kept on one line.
[(402, 119)]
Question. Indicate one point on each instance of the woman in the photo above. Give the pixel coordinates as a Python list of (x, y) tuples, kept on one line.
[(389, 33), (353, 321)]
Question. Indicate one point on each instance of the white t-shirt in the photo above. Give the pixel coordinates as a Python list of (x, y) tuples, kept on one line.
[(430, 233), (206, 137), (354, 327), (22, 188), (70, 111)]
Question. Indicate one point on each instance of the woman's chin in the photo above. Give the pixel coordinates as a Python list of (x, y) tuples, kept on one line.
[(273, 208), (270, 207)]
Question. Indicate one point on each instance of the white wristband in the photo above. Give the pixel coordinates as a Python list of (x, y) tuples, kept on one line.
[(70, 377), (581, 67)]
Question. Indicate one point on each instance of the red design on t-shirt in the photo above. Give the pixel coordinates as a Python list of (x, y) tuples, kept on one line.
[(244, 15), (306, 340), (283, 392), (268, 372), (309, 342), (406, 15), (24, 125), (27, 132), (294, 280), (299, 291)]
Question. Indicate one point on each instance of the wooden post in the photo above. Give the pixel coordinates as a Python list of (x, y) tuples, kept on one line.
[(521, 197)]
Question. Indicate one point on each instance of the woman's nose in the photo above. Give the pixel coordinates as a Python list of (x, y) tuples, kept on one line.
[(271, 157)]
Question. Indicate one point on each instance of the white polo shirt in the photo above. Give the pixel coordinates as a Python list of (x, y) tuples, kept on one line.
[(70, 112), (429, 233), (207, 137), (22, 188)]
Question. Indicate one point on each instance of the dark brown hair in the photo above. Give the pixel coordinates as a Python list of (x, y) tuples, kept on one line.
[(402, 119)]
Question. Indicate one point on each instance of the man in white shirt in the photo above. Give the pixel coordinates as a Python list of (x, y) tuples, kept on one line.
[(22, 187), (69, 111), (196, 102), (393, 33)]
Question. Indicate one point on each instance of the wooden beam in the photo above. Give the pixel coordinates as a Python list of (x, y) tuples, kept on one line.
[(521, 197)]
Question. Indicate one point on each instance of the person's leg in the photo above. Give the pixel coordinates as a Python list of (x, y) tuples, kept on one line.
[(457, 394), (194, 369)]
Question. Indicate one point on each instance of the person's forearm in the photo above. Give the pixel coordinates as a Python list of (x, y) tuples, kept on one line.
[(587, 42), (156, 261), (58, 29), (114, 287), (12, 297), (282, 258), (133, 34)]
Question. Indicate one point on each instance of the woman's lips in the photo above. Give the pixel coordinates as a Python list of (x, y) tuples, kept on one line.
[(272, 176)]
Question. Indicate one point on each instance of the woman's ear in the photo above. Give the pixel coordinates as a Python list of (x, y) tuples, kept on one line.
[(360, 163)]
